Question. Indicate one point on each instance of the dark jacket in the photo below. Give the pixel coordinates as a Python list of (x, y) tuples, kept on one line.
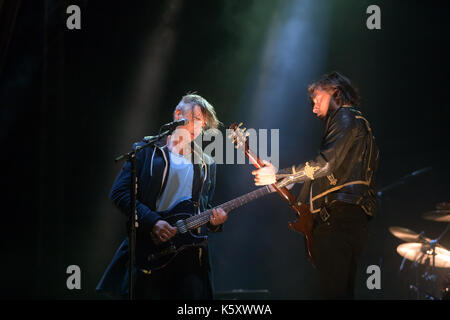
[(346, 165), (152, 169)]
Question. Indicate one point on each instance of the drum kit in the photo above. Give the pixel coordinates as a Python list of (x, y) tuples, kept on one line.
[(426, 254)]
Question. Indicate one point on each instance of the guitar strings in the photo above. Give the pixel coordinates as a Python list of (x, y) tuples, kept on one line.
[(198, 220)]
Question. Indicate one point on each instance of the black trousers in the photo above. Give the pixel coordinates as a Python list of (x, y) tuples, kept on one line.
[(337, 246), (185, 278)]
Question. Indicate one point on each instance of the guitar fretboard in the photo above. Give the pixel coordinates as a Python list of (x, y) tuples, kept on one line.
[(202, 218)]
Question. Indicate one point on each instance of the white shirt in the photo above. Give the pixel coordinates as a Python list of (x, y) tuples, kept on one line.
[(179, 182)]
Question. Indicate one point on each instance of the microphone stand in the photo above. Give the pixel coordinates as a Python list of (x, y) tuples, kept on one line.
[(131, 157), (433, 244), (402, 180), (383, 190)]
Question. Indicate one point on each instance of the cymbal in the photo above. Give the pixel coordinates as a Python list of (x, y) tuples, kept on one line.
[(407, 235), (437, 215), (422, 254), (443, 206)]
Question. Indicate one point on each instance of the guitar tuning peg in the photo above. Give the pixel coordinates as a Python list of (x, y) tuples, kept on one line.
[(240, 124), (247, 134)]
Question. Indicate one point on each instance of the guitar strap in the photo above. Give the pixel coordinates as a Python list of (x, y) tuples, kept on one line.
[(200, 175), (303, 195)]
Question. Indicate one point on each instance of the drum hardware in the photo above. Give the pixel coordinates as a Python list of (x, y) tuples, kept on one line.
[(426, 252)]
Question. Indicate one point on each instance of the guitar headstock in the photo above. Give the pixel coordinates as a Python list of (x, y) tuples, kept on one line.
[(239, 136)]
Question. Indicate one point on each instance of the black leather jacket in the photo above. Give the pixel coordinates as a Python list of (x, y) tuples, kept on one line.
[(346, 165)]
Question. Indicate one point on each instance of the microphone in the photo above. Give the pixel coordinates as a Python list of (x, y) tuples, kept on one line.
[(417, 172), (170, 126), (174, 124)]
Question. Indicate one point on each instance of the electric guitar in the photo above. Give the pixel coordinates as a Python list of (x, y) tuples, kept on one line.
[(153, 254), (305, 222)]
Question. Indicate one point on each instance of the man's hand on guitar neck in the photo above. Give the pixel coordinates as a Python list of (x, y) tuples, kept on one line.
[(219, 216), (265, 175), (163, 230)]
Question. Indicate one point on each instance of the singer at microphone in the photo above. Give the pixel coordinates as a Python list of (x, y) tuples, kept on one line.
[(170, 176)]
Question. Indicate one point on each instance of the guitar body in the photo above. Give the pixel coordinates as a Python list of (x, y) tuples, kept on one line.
[(304, 224), (305, 221), (152, 254)]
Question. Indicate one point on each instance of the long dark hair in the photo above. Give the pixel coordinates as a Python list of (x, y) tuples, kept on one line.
[(344, 92)]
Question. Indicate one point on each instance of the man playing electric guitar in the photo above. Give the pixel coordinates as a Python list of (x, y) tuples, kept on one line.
[(339, 184), (171, 174)]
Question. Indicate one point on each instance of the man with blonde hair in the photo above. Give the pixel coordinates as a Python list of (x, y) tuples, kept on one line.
[(171, 174)]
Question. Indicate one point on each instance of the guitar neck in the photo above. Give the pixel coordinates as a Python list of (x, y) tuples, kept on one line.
[(203, 218)]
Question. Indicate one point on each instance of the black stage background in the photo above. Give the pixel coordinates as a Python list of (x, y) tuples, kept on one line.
[(72, 100)]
